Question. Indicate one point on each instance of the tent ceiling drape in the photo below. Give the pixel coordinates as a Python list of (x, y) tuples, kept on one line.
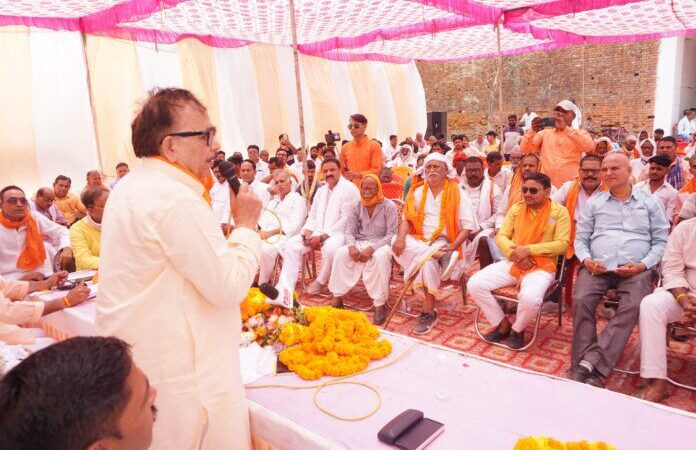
[(381, 30)]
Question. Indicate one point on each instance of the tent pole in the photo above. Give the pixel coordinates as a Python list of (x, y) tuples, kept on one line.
[(91, 101), (298, 89), (500, 85)]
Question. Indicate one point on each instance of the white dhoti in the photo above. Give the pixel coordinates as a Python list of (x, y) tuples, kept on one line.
[(269, 254), (292, 260), (656, 311), (471, 247), (532, 290), (428, 277), (375, 273)]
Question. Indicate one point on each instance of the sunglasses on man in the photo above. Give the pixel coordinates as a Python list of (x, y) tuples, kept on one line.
[(531, 190), (16, 200), (354, 126)]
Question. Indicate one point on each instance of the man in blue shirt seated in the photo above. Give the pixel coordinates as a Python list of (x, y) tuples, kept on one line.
[(621, 235)]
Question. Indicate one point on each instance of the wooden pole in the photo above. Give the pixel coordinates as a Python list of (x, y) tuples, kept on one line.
[(298, 89), (500, 86), (91, 102)]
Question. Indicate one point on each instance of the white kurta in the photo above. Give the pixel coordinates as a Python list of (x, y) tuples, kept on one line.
[(261, 191), (485, 200), (220, 196), (170, 285), (262, 170), (12, 243)]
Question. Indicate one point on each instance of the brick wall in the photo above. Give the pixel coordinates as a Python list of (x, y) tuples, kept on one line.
[(619, 86)]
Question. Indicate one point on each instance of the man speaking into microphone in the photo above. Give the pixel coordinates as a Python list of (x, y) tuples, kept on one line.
[(170, 284)]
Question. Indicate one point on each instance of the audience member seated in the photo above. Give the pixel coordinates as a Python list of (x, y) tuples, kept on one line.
[(25, 239), (438, 219), (262, 170), (247, 172), (44, 203), (390, 188), (658, 186), (15, 310), (281, 220), (403, 158), (122, 170), (560, 148), (323, 231), (308, 188), (621, 236), (370, 227), (492, 143), (69, 204), (603, 147), (82, 393), (675, 301), (679, 173), (361, 155), (220, 198), (513, 192), (485, 197), (533, 235), (85, 234), (575, 194), (688, 209), (647, 151), (264, 156), (629, 148), (94, 180), (459, 162), (500, 175)]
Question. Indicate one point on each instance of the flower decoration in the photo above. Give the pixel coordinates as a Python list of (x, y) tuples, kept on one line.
[(545, 443), (335, 342), (263, 323)]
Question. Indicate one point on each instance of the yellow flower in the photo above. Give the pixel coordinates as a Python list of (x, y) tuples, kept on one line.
[(545, 443)]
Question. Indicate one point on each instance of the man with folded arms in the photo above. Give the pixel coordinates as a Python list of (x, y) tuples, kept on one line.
[(675, 301), (281, 220), (438, 219), (27, 239), (370, 227), (560, 148), (68, 203), (323, 231), (85, 234), (44, 202), (533, 235), (621, 235)]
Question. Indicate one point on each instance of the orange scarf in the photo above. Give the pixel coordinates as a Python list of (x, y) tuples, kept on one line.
[(515, 195), (34, 253), (571, 203), (690, 187), (206, 181), (449, 210), (377, 198), (531, 231)]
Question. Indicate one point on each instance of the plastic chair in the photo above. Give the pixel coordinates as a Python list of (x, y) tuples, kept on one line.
[(510, 293), (393, 191)]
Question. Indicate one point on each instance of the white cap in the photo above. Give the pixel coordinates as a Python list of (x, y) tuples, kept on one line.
[(567, 105), (439, 157)]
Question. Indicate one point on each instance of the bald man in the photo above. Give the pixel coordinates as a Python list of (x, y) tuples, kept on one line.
[(620, 238)]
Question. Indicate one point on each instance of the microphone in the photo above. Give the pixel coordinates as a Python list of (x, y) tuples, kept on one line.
[(269, 291), (227, 171)]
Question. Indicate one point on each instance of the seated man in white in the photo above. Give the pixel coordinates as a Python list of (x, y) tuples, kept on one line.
[(324, 230), (45, 202), (247, 172), (657, 184), (485, 197), (534, 234), (675, 301), (25, 239), (370, 227), (282, 219), (437, 221)]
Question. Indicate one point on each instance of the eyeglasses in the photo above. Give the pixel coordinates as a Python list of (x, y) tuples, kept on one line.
[(354, 126), (209, 134), (531, 190), (16, 200)]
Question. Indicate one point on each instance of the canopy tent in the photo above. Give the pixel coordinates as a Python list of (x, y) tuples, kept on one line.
[(383, 30)]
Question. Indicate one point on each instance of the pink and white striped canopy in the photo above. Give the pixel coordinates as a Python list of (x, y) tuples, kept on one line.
[(384, 30)]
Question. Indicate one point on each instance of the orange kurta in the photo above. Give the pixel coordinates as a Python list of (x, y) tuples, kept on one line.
[(363, 156), (559, 151)]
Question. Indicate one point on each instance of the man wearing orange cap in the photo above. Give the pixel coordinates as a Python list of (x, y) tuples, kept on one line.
[(559, 148)]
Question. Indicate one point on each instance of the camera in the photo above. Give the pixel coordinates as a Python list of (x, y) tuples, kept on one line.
[(330, 138)]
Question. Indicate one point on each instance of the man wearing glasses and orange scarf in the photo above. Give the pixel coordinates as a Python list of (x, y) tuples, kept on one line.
[(534, 234), (437, 221)]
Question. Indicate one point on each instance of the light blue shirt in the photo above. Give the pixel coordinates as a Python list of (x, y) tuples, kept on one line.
[(619, 232)]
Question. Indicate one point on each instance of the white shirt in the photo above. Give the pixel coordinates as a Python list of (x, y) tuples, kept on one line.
[(261, 191), (298, 168), (431, 219), (262, 170), (220, 196), (13, 242), (389, 151), (170, 284), (292, 212), (330, 208), (474, 195), (561, 196), (684, 126), (637, 165), (666, 193), (527, 119), (502, 178)]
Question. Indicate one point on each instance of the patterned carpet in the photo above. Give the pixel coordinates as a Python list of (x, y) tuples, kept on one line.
[(551, 352)]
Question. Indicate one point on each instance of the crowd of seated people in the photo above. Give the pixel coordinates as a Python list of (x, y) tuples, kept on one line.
[(481, 214)]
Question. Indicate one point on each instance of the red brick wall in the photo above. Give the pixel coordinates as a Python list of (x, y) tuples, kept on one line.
[(619, 86)]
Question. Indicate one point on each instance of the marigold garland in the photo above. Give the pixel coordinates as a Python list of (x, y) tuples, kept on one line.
[(545, 443), (336, 343)]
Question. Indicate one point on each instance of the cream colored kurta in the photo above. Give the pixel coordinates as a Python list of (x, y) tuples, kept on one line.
[(170, 285)]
